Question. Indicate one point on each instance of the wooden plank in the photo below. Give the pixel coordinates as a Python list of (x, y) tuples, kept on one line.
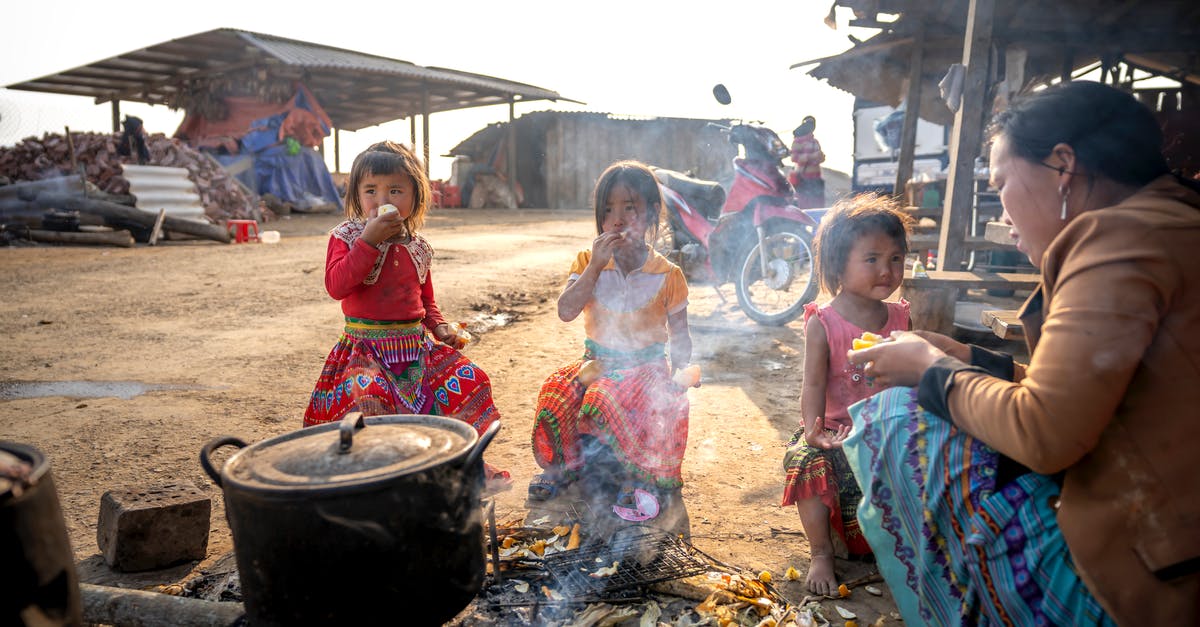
[(156, 232), (980, 280), (908, 132), (998, 232), (967, 138), (929, 241), (1004, 323)]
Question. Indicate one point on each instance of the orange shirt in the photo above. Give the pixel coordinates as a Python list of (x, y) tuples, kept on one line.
[(628, 312)]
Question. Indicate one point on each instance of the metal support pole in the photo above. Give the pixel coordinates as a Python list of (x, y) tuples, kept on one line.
[(425, 126), (512, 149)]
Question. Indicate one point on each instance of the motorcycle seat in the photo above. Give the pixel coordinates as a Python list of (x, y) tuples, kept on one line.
[(706, 196)]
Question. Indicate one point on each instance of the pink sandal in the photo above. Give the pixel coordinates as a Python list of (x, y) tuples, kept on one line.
[(645, 507)]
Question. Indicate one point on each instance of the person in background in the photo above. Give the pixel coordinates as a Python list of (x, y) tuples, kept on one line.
[(397, 354), (807, 158), (1062, 492), (860, 248), (617, 412)]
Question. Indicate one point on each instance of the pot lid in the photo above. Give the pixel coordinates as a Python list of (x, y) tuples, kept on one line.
[(355, 451)]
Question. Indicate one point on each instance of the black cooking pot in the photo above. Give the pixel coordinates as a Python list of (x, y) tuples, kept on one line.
[(42, 587), (360, 522)]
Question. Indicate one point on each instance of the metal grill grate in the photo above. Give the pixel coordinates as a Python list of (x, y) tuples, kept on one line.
[(644, 555)]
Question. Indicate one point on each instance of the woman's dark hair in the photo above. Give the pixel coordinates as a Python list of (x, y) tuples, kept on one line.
[(849, 220), (1114, 136), (638, 177), (388, 157)]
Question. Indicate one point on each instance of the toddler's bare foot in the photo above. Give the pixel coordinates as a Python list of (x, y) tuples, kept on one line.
[(821, 578)]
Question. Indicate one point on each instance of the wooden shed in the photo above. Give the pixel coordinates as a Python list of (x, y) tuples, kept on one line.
[(1002, 48), (560, 154)]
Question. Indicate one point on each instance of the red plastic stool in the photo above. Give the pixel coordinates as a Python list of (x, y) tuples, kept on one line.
[(243, 230)]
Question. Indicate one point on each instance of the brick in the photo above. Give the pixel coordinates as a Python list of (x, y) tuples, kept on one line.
[(154, 526)]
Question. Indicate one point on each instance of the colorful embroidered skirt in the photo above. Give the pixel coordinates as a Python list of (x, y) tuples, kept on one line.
[(382, 368), (633, 407), (953, 548), (825, 474)]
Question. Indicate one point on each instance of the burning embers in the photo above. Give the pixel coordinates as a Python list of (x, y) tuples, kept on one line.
[(585, 574)]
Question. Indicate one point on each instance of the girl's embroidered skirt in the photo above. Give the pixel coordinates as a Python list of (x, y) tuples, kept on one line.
[(382, 368), (955, 548), (825, 474), (633, 407)]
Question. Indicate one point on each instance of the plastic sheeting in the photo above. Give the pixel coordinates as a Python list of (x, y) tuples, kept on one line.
[(301, 179), (263, 132)]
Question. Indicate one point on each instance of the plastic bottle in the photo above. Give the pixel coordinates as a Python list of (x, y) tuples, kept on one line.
[(919, 270), (931, 260)]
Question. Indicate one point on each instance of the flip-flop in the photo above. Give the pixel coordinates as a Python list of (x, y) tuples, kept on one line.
[(543, 488), (646, 507)]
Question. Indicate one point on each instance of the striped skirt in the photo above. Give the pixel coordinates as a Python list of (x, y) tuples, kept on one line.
[(633, 407), (825, 474), (384, 368), (954, 548)]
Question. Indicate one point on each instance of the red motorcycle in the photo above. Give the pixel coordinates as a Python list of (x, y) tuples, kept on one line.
[(754, 236)]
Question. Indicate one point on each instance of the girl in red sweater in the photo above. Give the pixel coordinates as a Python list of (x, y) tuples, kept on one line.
[(397, 354)]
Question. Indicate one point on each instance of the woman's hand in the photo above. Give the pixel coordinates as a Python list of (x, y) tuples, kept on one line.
[(948, 345), (898, 362), (383, 227), (816, 437)]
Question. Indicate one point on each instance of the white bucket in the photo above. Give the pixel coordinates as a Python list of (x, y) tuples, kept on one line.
[(270, 237)]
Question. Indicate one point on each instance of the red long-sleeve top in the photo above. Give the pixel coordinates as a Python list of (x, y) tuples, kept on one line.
[(397, 294)]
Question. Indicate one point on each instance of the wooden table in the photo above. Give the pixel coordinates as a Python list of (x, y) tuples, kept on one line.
[(1004, 323), (932, 298)]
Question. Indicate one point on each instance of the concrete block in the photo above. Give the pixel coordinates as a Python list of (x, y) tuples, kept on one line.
[(153, 526)]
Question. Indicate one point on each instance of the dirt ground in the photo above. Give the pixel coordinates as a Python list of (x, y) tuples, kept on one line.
[(229, 339)]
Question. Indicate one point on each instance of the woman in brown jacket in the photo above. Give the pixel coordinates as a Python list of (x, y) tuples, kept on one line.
[(1066, 491)]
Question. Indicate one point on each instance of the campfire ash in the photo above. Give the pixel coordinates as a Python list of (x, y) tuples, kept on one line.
[(615, 575)]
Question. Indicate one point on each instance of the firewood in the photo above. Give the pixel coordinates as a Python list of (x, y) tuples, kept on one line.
[(122, 607), (115, 212), (114, 238)]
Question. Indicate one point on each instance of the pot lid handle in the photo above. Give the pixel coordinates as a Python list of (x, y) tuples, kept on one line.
[(351, 423)]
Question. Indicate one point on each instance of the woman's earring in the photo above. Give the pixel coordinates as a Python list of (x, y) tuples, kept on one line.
[(1064, 192)]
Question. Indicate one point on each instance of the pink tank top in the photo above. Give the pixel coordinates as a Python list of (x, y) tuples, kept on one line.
[(845, 383)]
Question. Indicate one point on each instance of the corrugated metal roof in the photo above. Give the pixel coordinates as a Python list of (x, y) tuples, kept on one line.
[(1162, 36), (356, 89)]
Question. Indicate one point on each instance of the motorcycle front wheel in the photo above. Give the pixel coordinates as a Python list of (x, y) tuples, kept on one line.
[(776, 297)]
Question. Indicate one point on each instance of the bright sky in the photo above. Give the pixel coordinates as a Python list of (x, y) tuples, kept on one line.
[(640, 58)]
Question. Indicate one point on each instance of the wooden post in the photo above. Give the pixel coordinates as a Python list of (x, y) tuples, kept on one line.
[(156, 232), (116, 115), (512, 150), (931, 308), (908, 133), (337, 150), (75, 167), (412, 131), (967, 138)]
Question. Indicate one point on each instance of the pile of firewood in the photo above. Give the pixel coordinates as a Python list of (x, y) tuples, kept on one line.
[(96, 155)]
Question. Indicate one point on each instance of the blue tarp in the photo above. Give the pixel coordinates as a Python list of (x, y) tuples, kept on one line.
[(301, 179)]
